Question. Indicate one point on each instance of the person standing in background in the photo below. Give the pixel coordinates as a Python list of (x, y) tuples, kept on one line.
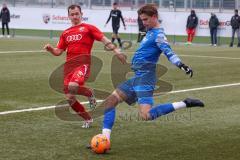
[(235, 23), (141, 30), (5, 18), (191, 26), (213, 25), (116, 15)]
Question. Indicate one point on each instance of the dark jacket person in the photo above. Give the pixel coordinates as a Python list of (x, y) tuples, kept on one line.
[(235, 23), (5, 18), (213, 25)]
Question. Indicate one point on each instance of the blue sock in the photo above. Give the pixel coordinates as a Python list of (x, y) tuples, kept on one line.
[(160, 110), (109, 118)]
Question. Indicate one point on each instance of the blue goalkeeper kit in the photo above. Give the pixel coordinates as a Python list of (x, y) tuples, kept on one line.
[(141, 86)]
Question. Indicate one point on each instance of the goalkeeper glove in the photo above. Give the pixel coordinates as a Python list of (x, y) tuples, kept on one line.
[(185, 68)]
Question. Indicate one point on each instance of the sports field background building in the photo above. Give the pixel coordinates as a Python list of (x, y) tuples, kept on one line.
[(50, 16), (176, 5)]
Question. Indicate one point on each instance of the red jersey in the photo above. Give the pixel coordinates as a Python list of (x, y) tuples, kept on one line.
[(78, 40)]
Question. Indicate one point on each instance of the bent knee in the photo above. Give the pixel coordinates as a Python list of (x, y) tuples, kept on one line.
[(114, 99), (111, 101), (73, 88)]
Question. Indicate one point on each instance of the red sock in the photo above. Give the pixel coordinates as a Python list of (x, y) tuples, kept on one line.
[(79, 108), (85, 91)]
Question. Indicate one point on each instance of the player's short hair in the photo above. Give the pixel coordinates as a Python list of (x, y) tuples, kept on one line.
[(149, 10), (115, 3), (73, 6)]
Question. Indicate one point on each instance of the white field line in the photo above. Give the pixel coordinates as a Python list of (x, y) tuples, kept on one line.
[(172, 92), (37, 109), (204, 88), (199, 89), (33, 51), (96, 51), (186, 55), (214, 57)]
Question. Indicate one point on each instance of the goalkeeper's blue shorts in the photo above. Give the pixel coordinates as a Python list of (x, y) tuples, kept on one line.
[(139, 88)]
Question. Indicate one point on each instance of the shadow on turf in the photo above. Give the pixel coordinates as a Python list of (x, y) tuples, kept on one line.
[(119, 74)]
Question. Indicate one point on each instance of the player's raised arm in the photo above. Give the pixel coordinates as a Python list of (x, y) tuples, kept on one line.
[(122, 57), (172, 57), (52, 50)]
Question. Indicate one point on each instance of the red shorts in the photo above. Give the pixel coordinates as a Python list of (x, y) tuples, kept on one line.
[(78, 75), (191, 31)]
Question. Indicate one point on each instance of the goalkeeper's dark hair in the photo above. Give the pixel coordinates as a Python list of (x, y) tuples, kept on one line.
[(149, 10), (73, 6)]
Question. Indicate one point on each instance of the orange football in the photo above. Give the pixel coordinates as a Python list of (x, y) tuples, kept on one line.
[(100, 144)]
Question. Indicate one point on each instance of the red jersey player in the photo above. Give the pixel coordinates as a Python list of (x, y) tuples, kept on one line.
[(77, 41)]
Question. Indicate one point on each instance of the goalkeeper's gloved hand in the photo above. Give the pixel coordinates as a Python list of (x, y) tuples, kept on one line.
[(186, 69)]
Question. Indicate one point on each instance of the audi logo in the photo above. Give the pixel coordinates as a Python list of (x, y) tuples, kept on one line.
[(75, 37)]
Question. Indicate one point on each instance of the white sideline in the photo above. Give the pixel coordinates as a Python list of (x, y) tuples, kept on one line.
[(186, 55), (172, 92), (22, 51), (204, 88), (181, 55), (36, 109)]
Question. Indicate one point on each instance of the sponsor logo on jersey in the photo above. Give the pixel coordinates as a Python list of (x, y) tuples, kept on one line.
[(114, 15), (75, 37)]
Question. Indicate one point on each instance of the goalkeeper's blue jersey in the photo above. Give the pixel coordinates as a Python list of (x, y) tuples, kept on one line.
[(150, 49)]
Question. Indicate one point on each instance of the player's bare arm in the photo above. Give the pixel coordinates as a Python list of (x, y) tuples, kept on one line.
[(54, 51), (122, 57)]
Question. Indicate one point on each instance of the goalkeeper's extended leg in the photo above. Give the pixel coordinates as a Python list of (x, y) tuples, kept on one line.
[(149, 113), (109, 114)]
